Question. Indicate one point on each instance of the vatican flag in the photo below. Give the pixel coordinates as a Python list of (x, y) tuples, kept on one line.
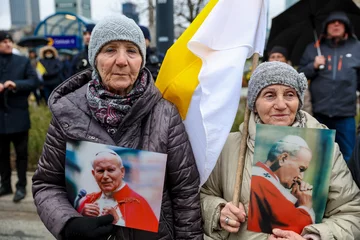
[(202, 72), (40, 68)]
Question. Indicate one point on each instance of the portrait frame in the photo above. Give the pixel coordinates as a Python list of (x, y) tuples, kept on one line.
[(144, 175), (321, 143)]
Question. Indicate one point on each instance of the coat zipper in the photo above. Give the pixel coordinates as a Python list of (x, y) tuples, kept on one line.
[(334, 69)]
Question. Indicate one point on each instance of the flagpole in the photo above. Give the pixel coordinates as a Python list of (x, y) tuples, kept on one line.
[(245, 132)]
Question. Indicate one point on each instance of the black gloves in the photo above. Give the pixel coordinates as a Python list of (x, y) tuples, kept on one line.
[(88, 227)]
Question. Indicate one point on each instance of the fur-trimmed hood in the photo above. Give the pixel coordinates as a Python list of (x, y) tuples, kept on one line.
[(48, 48)]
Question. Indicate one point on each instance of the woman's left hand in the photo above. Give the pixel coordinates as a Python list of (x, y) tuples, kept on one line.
[(112, 211), (284, 235)]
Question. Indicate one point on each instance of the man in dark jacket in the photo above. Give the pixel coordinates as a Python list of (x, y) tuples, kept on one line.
[(81, 60), (333, 88), (17, 79), (153, 61)]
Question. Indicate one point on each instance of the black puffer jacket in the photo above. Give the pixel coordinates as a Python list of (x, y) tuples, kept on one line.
[(152, 124)]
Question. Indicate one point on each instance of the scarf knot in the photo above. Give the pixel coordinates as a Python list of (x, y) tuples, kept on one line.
[(108, 108)]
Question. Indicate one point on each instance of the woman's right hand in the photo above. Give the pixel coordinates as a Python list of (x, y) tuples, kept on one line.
[(91, 210), (235, 216)]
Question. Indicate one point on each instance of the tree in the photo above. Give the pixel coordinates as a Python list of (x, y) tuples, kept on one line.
[(185, 11)]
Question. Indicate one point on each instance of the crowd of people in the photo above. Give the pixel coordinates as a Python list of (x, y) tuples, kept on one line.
[(109, 97)]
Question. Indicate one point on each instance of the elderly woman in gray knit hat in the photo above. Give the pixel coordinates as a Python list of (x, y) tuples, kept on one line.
[(275, 96), (116, 103)]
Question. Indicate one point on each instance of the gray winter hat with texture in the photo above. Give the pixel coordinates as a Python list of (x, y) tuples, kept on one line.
[(270, 73), (112, 29)]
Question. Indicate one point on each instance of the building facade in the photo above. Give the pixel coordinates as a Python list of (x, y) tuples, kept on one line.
[(24, 13), (78, 7)]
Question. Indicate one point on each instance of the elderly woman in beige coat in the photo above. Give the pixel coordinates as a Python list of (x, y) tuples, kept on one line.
[(276, 93)]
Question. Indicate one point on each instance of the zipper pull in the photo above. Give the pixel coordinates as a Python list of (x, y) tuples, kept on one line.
[(340, 63)]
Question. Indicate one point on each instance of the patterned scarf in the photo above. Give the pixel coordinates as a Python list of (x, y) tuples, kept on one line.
[(300, 120), (109, 109)]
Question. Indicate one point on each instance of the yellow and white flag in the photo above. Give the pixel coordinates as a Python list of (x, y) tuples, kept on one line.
[(202, 72), (40, 68)]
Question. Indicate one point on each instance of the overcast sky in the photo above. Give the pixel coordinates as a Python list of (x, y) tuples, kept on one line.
[(100, 9)]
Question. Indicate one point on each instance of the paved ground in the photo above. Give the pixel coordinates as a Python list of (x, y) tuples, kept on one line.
[(19, 221)]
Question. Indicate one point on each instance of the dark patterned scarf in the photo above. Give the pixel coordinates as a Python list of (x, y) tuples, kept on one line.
[(109, 109)]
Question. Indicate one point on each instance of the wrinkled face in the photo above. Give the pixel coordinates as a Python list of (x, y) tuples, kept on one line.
[(277, 57), (292, 168), (336, 29), (6, 46), (277, 105), (86, 37), (118, 64), (108, 173)]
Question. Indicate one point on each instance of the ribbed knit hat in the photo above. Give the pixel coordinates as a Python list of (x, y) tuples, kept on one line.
[(112, 29), (279, 49), (5, 35), (271, 73)]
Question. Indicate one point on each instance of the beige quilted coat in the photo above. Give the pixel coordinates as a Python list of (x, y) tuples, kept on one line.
[(342, 214)]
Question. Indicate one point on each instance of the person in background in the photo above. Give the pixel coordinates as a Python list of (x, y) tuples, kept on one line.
[(275, 96), (52, 75), (116, 103), (153, 61), (17, 79), (354, 162), (81, 61), (33, 57), (333, 88), (66, 59), (278, 53), (39, 91)]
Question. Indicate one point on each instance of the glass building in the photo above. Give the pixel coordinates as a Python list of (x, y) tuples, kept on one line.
[(64, 28), (78, 7), (24, 13)]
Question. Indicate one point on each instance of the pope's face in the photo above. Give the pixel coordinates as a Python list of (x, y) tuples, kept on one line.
[(108, 173), (292, 168)]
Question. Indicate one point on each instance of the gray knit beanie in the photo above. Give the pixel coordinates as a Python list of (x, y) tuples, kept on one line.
[(270, 73), (112, 29)]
